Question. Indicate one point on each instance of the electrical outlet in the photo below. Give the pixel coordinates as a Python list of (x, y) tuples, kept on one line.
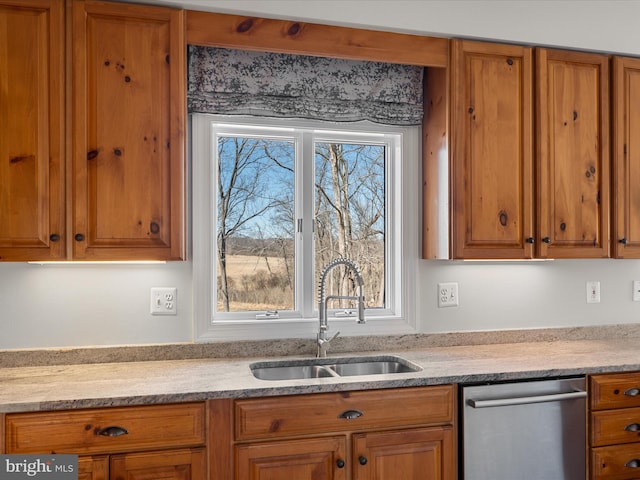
[(593, 291), (164, 301), (448, 294)]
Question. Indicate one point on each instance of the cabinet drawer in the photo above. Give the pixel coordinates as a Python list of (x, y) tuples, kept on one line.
[(336, 412), (619, 462), (620, 390), (79, 431), (615, 426)]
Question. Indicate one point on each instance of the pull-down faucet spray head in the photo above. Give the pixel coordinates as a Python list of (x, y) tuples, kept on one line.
[(323, 341)]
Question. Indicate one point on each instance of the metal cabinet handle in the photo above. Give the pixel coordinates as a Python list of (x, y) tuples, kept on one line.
[(623, 241), (632, 392), (350, 414), (530, 240), (54, 237), (632, 427), (78, 237), (340, 463), (546, 240), (362, 460), (635, 463), (112, 431)]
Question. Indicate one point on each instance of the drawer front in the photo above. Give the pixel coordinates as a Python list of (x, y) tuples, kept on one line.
[(345, 411), (615, 426), (620, 390), (619, 462), (87, 431)]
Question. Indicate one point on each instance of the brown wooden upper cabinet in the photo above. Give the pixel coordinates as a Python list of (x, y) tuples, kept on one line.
[(492, 150), (573, 172), (124, 123), (626, 158), (508, 203), (31, 130)]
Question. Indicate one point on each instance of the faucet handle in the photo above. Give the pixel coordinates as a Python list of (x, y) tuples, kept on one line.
[(333, 337)]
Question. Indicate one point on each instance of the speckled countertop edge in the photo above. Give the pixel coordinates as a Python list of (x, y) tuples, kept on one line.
[(57, 387)]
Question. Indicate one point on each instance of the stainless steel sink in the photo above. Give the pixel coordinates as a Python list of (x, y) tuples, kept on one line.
[(332, 367)]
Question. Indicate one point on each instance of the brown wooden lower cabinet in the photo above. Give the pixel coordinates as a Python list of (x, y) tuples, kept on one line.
[(93, 468), (406, 433), (155, 442), (316, 458), (420, 453), (185, 464), (614, 426)]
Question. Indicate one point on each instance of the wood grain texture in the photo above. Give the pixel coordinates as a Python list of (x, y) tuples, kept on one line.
[(411, 454), (615, 426), (626, 158), (75, 431), (93, 468), (128, 137), (287, 416), (435, 165), (492, 150), (220, 438), (32, 216), (307, 459), (182, 464), (232, 31), (608, 391), (573, 154)]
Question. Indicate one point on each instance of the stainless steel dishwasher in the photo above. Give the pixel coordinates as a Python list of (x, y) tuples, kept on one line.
[(532, 430)]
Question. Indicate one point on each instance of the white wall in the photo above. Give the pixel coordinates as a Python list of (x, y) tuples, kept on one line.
[(91, 305)]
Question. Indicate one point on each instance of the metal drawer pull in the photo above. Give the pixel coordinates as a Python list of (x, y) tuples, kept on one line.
[(503, 402), (632, 427), (635, 463), (350, 414), (112, 431), (632, 392), (362, 460)]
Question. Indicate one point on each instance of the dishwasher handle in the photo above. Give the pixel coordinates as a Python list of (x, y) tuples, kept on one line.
[(504, 402)]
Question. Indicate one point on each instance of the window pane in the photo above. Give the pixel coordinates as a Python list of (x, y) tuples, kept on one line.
[(255, 229), (350, 215)]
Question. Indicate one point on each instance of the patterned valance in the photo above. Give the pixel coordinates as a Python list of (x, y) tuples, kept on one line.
[(239, 82)]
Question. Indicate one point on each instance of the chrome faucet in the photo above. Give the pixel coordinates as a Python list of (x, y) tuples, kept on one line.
[(323, 341)]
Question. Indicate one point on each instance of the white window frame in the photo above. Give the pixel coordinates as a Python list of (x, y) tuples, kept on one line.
[(401, 242)]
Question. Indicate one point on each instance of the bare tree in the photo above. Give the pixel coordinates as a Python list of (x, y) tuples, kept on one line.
[(350, 211), (243, 195)]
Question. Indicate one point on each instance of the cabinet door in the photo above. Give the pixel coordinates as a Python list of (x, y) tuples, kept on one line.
[(186, 464), (93, 468), (417, 454), (313, 459), (31, 130), (492, 170), (626, 158), (573, 154), (128, 131)]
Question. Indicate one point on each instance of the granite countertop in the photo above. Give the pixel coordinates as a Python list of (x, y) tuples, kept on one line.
[(32, 388)]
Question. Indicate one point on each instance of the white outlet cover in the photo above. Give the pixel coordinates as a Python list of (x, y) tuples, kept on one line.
[(448, 294), (164, 301), (593, 291)]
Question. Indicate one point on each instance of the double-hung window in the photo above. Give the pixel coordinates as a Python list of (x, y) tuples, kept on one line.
[(274, 201)]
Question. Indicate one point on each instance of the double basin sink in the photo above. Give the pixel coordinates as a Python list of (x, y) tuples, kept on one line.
[(332, 367)]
